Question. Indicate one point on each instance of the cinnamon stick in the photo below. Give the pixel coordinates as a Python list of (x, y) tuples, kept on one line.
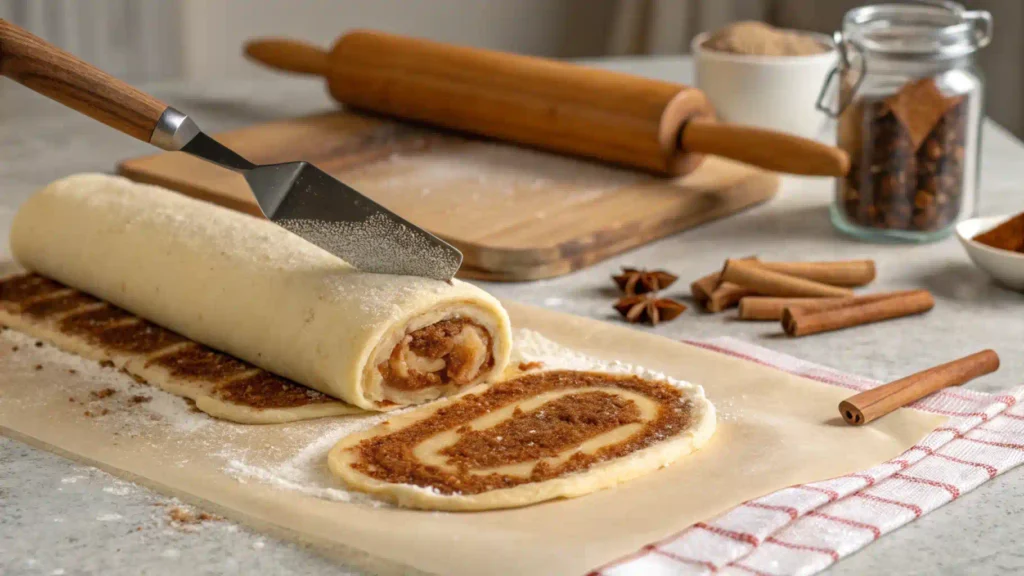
[(715, 295), (848, 273), (801, 322), (771, 307), (702, 288), (726, 296), (877, 402), (754, 276)]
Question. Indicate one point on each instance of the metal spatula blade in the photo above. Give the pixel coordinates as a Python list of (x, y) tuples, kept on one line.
[(313, 204), (324, 211)]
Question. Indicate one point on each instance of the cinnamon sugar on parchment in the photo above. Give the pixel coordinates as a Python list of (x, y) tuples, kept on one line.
[(103, 393), (184, 516)]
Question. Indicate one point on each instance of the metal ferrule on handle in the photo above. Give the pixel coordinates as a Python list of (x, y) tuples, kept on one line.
[(173, 130)]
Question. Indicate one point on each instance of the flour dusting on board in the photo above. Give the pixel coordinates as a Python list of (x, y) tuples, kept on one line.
[(486, 170), (287, 457)]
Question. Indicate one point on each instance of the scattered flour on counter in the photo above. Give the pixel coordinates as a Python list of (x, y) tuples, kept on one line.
[(530, 346), (120, 488), (162, 407), (306, 472)]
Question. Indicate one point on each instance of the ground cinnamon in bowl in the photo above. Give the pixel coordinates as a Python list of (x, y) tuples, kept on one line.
[(1007, 236)]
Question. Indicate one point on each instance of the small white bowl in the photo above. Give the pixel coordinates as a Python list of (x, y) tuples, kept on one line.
[(1005, 266), (774, 92)]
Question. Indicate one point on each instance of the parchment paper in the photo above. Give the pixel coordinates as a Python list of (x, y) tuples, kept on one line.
[(774, 430)]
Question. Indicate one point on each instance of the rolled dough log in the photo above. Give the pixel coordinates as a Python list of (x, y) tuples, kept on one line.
[(250, 288), (535, 437), (222, 386)]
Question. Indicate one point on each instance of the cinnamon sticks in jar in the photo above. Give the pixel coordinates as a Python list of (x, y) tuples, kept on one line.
[(872, 404)]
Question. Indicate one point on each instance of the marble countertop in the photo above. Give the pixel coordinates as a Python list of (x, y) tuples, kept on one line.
[(57, 517)]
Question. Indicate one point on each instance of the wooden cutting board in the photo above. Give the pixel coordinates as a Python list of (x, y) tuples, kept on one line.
[(516, 213)]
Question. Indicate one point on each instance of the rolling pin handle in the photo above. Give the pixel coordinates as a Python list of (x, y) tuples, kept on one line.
[(289, 55), (767, 149)]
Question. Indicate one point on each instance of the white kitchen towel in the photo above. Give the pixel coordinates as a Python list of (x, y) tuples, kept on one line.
[(805, 528)]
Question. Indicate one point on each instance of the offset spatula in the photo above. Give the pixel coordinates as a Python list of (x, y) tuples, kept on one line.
[(296, 195)]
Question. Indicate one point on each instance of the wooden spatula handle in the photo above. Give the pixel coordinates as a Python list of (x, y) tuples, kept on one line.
[(52, 72), (289, 55), (765, 148)]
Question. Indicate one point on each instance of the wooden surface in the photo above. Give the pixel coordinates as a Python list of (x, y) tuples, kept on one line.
[(516, 213), (58, 75)]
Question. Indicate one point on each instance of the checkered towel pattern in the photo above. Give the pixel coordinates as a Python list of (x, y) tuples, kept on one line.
[(803, 529)]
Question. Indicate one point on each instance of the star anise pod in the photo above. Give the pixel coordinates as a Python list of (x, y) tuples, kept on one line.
[(648, 309), (635, 281)]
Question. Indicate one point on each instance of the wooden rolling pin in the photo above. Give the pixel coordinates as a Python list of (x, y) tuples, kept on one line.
[(648, 124)]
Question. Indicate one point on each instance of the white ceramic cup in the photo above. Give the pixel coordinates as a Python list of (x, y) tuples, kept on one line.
[(775, 92)]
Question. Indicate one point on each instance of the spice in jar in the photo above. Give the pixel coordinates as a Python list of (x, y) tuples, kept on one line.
[(907, 159)]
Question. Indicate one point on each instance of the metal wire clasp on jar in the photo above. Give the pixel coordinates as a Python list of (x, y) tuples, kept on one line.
[(909, 111)]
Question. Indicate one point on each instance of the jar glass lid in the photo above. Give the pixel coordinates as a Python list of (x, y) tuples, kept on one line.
[(923, 30)]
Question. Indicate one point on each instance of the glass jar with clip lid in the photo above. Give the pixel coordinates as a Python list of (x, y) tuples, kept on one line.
[(909, 110)]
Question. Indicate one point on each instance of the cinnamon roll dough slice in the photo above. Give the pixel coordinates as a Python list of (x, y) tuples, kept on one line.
[(246, 287), (535, 437)]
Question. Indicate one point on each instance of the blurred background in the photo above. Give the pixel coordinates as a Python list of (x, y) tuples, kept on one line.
[(200, 40)]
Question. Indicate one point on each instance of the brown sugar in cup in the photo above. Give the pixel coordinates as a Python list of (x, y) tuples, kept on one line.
[(760, 39)]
